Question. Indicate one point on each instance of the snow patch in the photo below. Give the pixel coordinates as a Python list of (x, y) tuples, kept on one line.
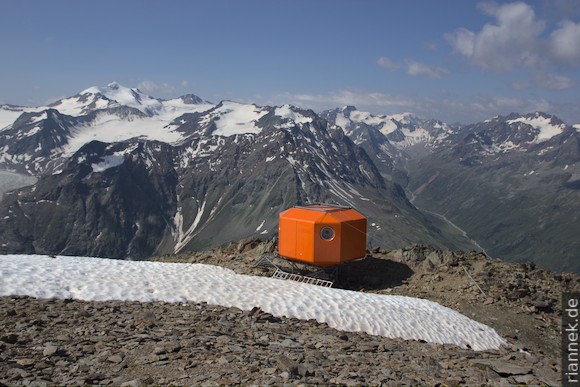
[(110, 161), (204, 147), (342, 121), (97, 279), (335, 188), (413, 137), (291, 160), (233, 118), (366, 117), (183, 238), (286, 112), (9, 114), (74, 106), (543, 124), (35, 119), (127, 96), (110, 128), (261, 225)]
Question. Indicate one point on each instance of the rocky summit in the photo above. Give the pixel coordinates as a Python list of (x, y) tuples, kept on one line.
[(46, 342)]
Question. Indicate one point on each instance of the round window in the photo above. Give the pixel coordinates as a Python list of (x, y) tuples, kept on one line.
[(327, 233)]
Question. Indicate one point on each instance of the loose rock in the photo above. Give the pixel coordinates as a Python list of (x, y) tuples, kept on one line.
[(132, 343)]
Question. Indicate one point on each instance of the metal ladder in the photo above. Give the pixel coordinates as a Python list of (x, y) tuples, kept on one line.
[(280, 274), (268, 261)]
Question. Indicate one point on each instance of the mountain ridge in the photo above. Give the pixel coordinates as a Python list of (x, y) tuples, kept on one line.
[(249, 162), (226, 175), (510, 182)]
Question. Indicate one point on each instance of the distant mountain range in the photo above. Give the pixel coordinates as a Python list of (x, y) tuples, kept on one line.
[(124, 175), (512, 183)]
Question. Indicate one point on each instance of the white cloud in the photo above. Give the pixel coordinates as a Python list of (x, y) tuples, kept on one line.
[(483, 107), (387, 64), (49, 100), (375, 101), (309, 97), (554, 81), (518, 85), (413, 68), (564, 43), (517, 39), (150, 87), (422, 69), (463, 41), (431, 46), (450, 109), (512, 40)]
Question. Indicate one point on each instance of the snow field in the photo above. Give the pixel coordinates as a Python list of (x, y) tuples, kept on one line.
[(286, 112), (543, 124), (100, 279), (236, 118), (126, 96)]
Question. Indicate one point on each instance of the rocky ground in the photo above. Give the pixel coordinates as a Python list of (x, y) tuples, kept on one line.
[(129, 343)]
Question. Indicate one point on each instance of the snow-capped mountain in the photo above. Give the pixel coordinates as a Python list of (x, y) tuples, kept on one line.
[(32, 141), (9, 114), (122, 174), (402, 130), (516, 163), (113, 95), (514, 132), (511, 182), (128, 181), (33, 138), (498, 134)]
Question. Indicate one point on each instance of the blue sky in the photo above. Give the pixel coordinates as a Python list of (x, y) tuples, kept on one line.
[(458, 61)]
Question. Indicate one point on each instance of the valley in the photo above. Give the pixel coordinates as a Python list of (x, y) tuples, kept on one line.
[(508, 183), (452, 227)]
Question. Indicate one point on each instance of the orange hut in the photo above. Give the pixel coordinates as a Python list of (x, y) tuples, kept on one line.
[(323, 235)]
